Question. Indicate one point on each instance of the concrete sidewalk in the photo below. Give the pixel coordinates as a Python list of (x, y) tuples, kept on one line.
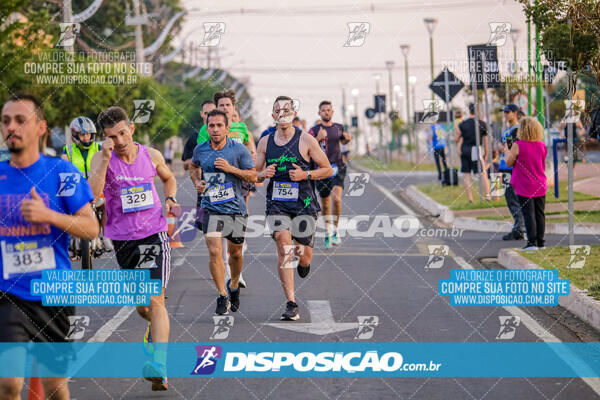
[(586, 205)]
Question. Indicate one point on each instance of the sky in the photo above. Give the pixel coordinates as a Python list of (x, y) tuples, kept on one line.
[(297, 48)]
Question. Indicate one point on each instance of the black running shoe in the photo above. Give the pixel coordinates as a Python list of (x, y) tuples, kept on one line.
[(291, 312), (303, 271), (222, 305), (234, 297)]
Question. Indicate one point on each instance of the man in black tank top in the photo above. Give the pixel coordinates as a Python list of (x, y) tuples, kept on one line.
[(285, 158)]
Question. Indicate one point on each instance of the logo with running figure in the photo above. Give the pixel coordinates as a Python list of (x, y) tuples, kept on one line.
[(358, 183), (207, 359), (357, 34), (579, 254), (212, 34), (148, 254), (499, 32), (142, 110), (68, 183), (437, 254), (68, 34), (77, 326), (366, 326), (223, 323), (431, 111), (307, 201), (508, 327)]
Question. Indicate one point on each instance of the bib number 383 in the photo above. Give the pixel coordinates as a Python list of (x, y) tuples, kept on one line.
[(24, 257), (137, 198), (285, 191)]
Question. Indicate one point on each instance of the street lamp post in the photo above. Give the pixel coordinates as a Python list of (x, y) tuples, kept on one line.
[(379, 116), (413, 81), (405, 48), (390, 65), (430, 24), (514, 35), (355, 92)]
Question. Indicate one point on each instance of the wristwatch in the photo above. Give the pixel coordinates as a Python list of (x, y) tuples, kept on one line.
[(173, 199), (308, 175)]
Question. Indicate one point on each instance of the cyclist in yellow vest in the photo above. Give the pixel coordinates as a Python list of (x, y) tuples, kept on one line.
[(80, 153)]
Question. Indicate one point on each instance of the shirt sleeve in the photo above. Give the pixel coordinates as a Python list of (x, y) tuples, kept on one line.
[(82, 194), (188, 149), (203, 135), (244, 158), (313, 131)]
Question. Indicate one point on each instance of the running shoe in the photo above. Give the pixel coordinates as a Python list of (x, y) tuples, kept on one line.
[(291, 312), (223, 305), (157, 374), (148, 345), (234, 297), (302, 270), (335, 239), (530, 247), (327, 242)]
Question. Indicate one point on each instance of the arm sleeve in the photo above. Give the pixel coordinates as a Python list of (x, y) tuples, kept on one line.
[(188, 149)]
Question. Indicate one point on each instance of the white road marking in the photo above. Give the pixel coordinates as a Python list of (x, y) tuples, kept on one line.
[(538, 330), (393, 198), (321, 321)]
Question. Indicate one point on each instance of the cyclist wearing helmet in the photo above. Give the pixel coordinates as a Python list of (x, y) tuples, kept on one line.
[(80, 153), (83, 148)]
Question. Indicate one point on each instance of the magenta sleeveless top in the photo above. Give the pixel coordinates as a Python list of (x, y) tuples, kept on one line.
[(133, 208), (529, 171)]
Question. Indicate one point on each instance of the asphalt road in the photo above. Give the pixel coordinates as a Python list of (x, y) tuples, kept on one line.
[(379, 276)]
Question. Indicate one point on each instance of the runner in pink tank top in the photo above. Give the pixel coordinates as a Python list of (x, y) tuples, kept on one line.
[(133, 208), (124, 171)]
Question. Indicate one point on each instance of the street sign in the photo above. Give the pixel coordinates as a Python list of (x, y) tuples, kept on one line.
[(380, 103), (438, 86), (355, 122), (484, 58), (442, 117), (370, 113)]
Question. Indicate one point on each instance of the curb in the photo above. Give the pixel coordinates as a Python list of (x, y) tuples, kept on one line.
[(482, 225), (362, 168), (443, 213), (578, 302)]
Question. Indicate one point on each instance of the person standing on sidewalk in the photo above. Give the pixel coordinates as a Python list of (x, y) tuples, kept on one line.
[(527, 157), (509, 136), (438, 143), (470, 157)]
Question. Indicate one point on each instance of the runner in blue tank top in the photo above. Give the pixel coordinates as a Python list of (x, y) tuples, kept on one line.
[(286, 157)]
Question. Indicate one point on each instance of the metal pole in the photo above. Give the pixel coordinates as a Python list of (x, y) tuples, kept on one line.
[(539, 90), (414, 132), (431, 59), (380, 118), (570, 91), (487, 111), (548, 125), (408, 122), (477, 136), (139, 38), (357, 125), (390, 66), (529, 106), (450, 133), (68, 18), (344, 106)]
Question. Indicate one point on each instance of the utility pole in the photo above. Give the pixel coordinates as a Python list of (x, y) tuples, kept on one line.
[(539, 90), (139, 38), (405, 49)]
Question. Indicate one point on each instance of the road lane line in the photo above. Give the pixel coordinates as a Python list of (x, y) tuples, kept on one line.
[(536, 329), (393, 198)]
